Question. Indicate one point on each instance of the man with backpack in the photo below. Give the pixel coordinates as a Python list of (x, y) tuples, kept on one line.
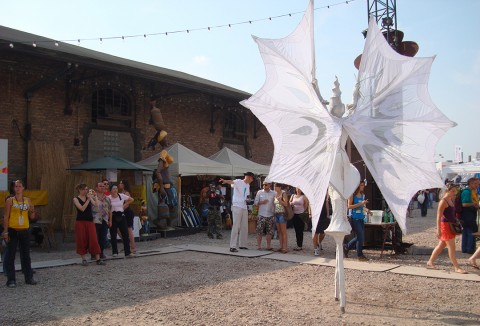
[(468, 215)]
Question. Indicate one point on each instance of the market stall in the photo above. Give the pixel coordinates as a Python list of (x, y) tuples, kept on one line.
[(187, 163)]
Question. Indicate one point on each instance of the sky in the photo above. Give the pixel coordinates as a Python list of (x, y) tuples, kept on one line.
[(228, 55)]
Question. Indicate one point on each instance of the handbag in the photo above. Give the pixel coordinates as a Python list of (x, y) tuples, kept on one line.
[(421, 198), (255, 210), (456, 227), (288, 212)]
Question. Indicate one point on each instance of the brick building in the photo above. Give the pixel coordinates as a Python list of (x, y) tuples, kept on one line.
[(99, 105)]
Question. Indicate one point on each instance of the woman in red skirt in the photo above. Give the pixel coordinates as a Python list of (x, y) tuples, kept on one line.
[(85, 232), (446, 214)]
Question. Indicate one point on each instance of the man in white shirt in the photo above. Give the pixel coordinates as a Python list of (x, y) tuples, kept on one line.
[(266, 209), (241, 189)]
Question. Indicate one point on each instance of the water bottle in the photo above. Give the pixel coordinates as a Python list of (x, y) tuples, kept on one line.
[(390, 217), (385, 216)]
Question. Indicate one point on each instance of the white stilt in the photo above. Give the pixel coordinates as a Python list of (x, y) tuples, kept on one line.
[(339, 227)]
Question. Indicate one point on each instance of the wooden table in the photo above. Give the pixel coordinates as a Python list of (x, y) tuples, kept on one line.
[(385, 228)]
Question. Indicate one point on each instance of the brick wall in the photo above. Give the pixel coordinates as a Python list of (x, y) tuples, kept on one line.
[(187, 114)]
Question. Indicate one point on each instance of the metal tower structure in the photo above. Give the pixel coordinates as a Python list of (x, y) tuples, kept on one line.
[(385, 13)]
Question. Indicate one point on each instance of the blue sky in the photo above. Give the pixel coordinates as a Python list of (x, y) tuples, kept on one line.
[(445, 28)]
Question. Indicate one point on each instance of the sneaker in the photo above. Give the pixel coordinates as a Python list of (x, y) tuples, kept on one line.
[(244, 248), (233, 250), (315, 252), (363, 258), (114, 255), (297, 248), (84, 262), (132, 255), (11, 284), (31, 282), (100, 262)]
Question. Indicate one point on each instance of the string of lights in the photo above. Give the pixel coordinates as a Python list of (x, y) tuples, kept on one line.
[(78, 41)]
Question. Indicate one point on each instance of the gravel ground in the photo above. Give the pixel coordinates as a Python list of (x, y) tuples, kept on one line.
[(191, 288)]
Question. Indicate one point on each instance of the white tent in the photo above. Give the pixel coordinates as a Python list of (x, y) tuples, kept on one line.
[(461, 172), (240, 164), (188, 163)]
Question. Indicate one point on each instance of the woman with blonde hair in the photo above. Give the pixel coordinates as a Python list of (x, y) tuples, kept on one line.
[(280, 202), (445, 216), (17, 234)]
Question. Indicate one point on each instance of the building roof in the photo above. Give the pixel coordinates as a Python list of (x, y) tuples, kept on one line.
[(46, 47)]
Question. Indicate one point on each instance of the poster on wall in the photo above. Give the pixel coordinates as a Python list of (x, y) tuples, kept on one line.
[(111, 175), (3, 164)]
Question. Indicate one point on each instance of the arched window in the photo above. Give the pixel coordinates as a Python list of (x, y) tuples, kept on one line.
[(111, 107)]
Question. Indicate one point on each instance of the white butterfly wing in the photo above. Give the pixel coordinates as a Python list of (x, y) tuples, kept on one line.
[(304, 135), (396, 125)]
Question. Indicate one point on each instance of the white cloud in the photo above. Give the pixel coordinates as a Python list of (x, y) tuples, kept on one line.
[(200, 60)]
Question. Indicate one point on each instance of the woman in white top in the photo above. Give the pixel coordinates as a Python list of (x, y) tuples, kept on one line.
[(300, 205), (118, 221)]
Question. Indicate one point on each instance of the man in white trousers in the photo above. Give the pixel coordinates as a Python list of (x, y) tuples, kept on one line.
[(241, 189)]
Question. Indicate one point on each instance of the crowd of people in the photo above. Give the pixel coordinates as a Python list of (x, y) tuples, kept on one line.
[(107, 209), (99, 210), (270, 206)]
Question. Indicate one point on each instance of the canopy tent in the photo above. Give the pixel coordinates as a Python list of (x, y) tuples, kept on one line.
[(461, 172), (110, 162), (240, 164), (188, 163)]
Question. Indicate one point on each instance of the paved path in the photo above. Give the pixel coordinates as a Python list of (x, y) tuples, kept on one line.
[(370, 266)]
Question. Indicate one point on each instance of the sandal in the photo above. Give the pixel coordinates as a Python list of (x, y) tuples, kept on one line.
[(432, 267), (84, 262), (283, 251), (471, 264), (461, 271)]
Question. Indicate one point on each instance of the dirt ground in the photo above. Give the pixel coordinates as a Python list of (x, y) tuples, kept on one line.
[(192, 288)]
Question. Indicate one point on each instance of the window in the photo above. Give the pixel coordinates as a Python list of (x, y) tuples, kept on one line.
[(111, 107), (234, 128)]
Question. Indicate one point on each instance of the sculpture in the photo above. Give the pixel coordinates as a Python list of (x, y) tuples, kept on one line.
[(392, 122), (162, 180)]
